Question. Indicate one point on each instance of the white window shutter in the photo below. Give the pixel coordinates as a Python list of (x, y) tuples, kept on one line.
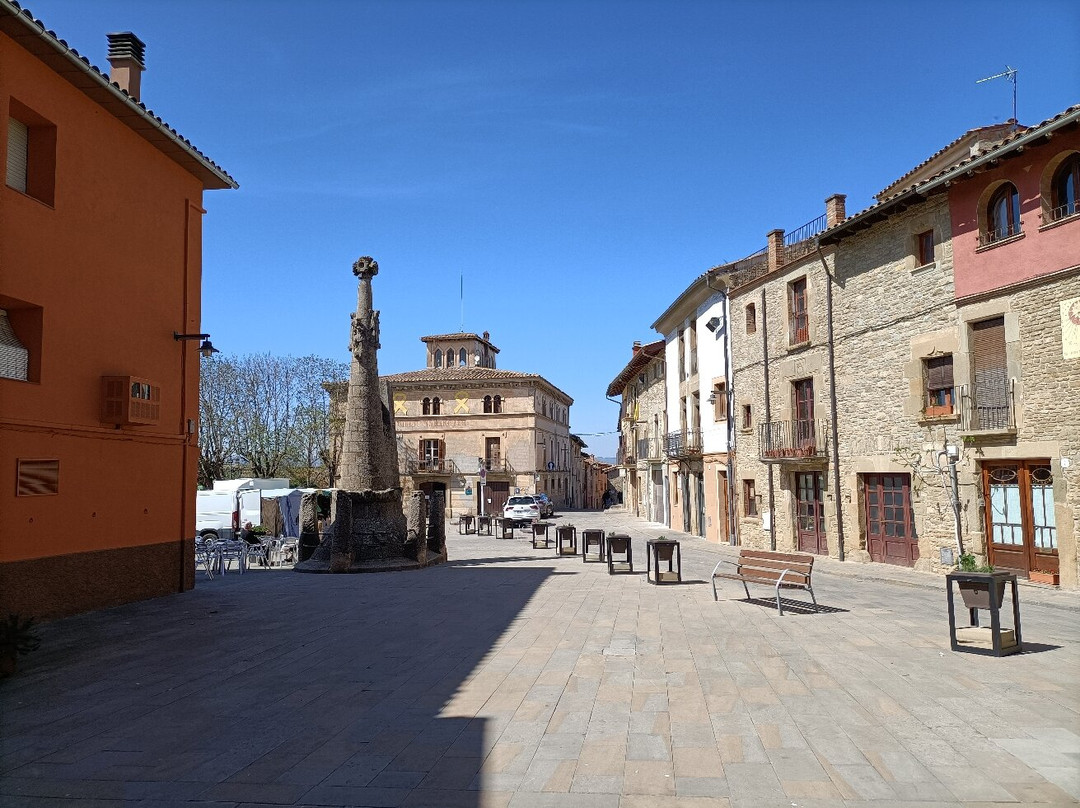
[(18, 138)]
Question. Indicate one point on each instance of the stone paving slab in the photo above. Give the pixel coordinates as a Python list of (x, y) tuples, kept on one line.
[(513, 678)]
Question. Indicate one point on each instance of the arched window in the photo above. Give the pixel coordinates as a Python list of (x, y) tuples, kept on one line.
[(497, 403), (438, 358), (1063, 191), (426, 406), (487, 404), (1003, 214), (463, 358), (435, 405)]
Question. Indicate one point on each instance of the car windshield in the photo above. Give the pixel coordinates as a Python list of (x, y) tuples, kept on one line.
[(521, 501)]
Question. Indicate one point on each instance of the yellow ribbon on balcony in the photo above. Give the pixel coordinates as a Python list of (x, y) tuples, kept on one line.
[(462, 398)]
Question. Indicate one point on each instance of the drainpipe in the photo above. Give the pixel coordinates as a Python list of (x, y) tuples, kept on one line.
[(768, 414), (834, 437)]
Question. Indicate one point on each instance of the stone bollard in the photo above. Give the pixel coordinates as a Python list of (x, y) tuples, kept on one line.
[(416, 527), (436, 535), (340, 531)]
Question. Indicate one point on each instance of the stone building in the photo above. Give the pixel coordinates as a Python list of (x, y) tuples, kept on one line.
[(642, 425), (462, 421)]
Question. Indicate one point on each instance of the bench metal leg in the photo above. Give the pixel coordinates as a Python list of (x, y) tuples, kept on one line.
[(745, 587), (810, 589), (779, 608)]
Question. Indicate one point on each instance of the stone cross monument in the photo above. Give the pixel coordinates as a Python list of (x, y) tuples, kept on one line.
[(367, 529)]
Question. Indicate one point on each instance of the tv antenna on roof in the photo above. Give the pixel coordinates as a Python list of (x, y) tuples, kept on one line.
[(1010, 74)]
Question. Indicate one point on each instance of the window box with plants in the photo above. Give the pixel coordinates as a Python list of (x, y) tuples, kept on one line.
[(978, 583), (983, 588), (1044, 577)]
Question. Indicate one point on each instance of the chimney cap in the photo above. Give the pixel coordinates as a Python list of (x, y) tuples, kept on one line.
[(125, 45)]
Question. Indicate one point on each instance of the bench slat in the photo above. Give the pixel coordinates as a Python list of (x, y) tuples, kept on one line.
[(768, 564), (748, 552)]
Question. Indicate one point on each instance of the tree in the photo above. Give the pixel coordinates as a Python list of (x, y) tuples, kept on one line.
[(265, 416)]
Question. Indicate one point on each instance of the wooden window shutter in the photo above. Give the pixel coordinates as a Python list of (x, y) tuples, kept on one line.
[(442, 449), (939, 373), (18, 154), (990, 372)]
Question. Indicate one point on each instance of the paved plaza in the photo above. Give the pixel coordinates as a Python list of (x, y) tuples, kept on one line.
[(511, 677)]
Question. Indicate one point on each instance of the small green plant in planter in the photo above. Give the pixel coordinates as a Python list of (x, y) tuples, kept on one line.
[(17, 638), (968, 563)]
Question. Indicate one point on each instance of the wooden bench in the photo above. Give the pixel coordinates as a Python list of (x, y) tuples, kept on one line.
[(780, 570)]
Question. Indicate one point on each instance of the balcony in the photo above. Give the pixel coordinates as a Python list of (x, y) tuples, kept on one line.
[(992, 408), (785, 441), (686, 443), (498, 465), (438, 466), (649, 449)]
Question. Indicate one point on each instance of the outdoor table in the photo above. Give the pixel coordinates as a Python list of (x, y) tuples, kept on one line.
[(565, 540), (993, 641), (592, 538), (504, 528), (483, 523), (657, 550), (619, 544), (465, 524), (540, 531)]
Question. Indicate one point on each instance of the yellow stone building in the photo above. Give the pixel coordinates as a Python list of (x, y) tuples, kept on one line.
[(480, 433)]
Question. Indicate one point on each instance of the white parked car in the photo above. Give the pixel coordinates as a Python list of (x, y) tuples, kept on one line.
[(521, 510)]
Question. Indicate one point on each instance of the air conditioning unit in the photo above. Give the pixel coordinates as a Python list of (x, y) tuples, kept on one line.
[(130, 401)]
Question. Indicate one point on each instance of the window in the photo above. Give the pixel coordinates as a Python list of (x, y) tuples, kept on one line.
[(682, 355), (425, 406), (431, 454), (496, 404), (747, 418), (438, 358), (487, 404), (1063, 191), (798, 318), (14, 357), (435, 405), (719, 401), (751, 318), (693, 347), (37, 477), (938, 375), (1002, 215), (31, 155), (750, 503), (802, 401), (924, 248), (463, 358), (991, 375)]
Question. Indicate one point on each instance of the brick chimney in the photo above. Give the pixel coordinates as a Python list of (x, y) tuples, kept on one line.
[(637, 346), (126, 52), (776, 249), (834, 209)]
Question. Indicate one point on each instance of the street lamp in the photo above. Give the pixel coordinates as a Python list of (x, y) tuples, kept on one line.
[(206, 348)]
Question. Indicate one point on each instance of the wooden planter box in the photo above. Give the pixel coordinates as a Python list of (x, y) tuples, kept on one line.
[(1041, 577)]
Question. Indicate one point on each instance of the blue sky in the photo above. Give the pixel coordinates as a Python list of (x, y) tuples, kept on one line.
[(578, 163)]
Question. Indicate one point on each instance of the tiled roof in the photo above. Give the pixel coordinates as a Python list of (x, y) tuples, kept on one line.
[(457, 336), (467, 374), (996, 131), (937, 182), (19, 24), (642, 357)]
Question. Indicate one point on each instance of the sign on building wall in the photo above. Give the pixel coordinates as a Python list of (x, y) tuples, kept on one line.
[(1070, 328)]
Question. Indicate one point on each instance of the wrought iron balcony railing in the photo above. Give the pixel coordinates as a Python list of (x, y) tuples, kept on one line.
[(438, 465), (685, 443), (649, 449), (988, 237), (793, 440), (990, 407), (498, 465)]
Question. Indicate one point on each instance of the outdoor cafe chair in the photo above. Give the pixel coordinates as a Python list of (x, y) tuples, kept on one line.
[(206, 555), (232, 550)]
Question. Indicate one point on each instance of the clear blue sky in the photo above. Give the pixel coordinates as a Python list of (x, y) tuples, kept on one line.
[(578, 162)]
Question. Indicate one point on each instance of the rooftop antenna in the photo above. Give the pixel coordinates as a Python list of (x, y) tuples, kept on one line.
[(461, 295), (1010, 74)]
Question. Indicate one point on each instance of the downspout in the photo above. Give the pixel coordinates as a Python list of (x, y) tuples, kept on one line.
[(768, 414), (834, 438)]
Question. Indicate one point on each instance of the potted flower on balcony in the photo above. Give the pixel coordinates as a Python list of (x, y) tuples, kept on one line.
[(979, 583)]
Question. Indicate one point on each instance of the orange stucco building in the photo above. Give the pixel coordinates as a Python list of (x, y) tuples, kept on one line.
[(100, 269)]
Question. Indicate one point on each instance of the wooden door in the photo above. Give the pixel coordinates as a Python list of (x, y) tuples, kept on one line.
[(810, 517), (890, 522), (1020, 521), (497, 492)]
